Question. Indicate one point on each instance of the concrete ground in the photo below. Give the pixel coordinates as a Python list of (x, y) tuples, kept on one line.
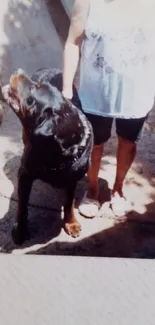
[(73, 291), (36, 290)]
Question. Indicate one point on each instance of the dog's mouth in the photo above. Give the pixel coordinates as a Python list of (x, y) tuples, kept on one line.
[(11, 93), (11, 98)]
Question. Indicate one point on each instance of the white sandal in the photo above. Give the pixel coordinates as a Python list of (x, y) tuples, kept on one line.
[(89, 208), (120, 206)]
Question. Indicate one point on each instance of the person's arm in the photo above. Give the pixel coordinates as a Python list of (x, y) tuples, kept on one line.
[(73, 45)]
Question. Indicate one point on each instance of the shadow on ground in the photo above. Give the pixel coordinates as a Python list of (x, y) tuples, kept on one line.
[(132, 237), (58, 14), (126, 239), (44, 219)]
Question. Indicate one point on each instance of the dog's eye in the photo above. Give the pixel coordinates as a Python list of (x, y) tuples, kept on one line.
[(30, 101)]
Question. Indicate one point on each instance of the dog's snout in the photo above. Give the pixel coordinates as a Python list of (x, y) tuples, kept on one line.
[(18, 72)]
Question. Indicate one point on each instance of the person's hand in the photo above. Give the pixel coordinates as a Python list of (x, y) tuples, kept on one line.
[(67, 93)]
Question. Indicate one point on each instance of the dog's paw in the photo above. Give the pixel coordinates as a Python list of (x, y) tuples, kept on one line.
[(19, 234), (72, 228)]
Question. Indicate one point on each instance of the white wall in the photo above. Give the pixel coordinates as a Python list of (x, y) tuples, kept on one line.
[(68, 5)]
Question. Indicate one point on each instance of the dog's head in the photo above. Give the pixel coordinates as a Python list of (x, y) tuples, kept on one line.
[(43, 111), (31, 100)]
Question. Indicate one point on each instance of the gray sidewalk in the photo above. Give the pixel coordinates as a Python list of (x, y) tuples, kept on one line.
[(73, 291)]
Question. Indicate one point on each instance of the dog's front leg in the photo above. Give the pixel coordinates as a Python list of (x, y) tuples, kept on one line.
[(20, 229), (71, 225), (25, 139)]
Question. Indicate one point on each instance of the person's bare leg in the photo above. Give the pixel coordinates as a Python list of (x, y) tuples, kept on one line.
[(125, 156), (90, 205), (93, 172)]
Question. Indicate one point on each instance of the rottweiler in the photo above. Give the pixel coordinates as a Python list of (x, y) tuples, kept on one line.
[(57, 139)]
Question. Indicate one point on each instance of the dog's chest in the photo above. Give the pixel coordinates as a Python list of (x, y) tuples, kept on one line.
[(50, 167)]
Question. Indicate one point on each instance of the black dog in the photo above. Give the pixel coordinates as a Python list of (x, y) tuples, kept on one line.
[(57, 142)]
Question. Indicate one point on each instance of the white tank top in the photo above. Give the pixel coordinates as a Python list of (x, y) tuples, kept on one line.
[(117, 68)]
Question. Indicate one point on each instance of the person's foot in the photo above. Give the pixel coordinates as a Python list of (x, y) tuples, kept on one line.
[(90, 205), (119, 205)]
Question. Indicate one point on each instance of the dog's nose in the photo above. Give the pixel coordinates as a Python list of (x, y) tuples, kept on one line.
[(18, 72)]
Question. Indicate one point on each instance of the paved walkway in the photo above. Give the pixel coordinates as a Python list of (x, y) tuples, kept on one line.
[(73, 291), (40, 290)]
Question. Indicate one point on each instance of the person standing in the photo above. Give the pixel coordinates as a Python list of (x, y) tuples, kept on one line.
[(113, 40)]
